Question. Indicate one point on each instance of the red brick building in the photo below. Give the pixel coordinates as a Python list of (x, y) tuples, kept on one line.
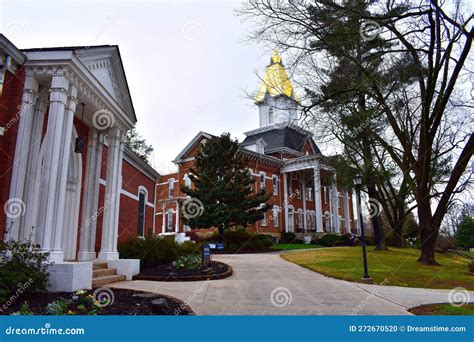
[(284, 160), (68, 182)]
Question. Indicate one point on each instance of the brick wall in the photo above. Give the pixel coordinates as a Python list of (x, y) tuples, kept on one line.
[(10, 105)]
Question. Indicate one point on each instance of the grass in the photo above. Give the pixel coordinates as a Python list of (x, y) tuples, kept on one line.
[(292, 246), (443, 309), (397, 267)]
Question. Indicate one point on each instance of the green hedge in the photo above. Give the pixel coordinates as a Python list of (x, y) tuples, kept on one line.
[(242, 239), (155, 250)]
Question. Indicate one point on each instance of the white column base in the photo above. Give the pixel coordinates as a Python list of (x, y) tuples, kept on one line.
[(126, 267), (108, 256), (86, 256), (56, 256), (70, 276)]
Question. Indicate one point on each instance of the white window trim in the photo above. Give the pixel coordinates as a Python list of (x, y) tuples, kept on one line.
[(170, 190), (143, 190), (169, 213), (275, 185), (276, 212)]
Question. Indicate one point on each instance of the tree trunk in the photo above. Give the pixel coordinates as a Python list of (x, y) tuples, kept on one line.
[(221, 233), (428, 235), (376, 221)]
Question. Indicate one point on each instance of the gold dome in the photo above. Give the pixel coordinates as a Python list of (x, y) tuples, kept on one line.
[(276, 81)]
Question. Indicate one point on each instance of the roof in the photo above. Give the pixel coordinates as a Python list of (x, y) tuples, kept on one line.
[(276, 81), (87, 52), (282, 136)]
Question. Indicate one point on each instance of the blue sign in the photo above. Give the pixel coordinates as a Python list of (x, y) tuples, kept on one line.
[(219, 246)]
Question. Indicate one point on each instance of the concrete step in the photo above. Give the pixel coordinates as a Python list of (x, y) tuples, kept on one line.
[(101, 281), (101, 272), (99, 265)]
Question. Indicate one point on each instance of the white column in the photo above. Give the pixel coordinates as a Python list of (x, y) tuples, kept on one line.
[(32, 182), (65, 152), (176, 227), (108, 249), (30, 91), (91, 197), (347, 217), (285, 199), (305, 226), (51, 164), (317, 200), (335, 210)]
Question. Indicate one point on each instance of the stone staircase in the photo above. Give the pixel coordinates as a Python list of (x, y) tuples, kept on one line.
[(102, 275)]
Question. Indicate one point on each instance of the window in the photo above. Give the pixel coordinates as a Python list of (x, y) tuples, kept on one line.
[(187, 181), (260, 146), (298, 191), (264, 220), (141, 213), (270, 115), (291, 219), (275, 216), (325, 195), (275, 185), (300, 218), (170, 187), (170, 219), (262, 180), (309, 193)]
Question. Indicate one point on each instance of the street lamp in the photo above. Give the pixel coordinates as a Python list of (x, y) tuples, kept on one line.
[(357, 179)]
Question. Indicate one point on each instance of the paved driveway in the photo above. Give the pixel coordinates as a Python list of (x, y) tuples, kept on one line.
[(265, 284)]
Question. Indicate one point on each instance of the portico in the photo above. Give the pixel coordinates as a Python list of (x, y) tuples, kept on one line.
[(71, 98), (310, 184)]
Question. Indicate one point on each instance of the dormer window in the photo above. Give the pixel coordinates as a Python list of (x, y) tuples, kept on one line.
[(260, 146)]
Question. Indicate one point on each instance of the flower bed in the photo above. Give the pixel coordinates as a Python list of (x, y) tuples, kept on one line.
[(121, 302), (169, 272)]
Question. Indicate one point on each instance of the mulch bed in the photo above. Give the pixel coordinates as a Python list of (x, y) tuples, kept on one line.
[(166, 272), (126, 302)]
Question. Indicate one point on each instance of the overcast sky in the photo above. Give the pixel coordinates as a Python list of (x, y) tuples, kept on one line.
[(187, 64)]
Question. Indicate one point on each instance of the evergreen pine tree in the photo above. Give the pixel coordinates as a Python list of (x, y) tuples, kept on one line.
[(225, 187)]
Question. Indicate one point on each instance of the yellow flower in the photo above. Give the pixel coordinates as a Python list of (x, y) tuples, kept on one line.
[(70, 312)]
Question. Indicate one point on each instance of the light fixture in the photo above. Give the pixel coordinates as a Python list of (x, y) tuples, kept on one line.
[(357, 179)]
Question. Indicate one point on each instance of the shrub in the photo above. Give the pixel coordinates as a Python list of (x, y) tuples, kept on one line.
[(188, 248), (242, 239), (23, 268), (287, 237), (151, 250), (328, 240), (344, 240), (465, 233), (190, 262), (470, 267)]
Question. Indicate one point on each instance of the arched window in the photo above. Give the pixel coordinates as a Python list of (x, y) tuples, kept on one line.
[(270, 115), (142, 199), (300, 218)]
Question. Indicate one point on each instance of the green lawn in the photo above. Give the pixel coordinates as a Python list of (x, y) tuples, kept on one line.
[(443, 309), (397, 267), (292, 246)]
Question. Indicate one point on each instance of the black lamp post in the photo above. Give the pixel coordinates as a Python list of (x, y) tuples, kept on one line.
[(357, 179)]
